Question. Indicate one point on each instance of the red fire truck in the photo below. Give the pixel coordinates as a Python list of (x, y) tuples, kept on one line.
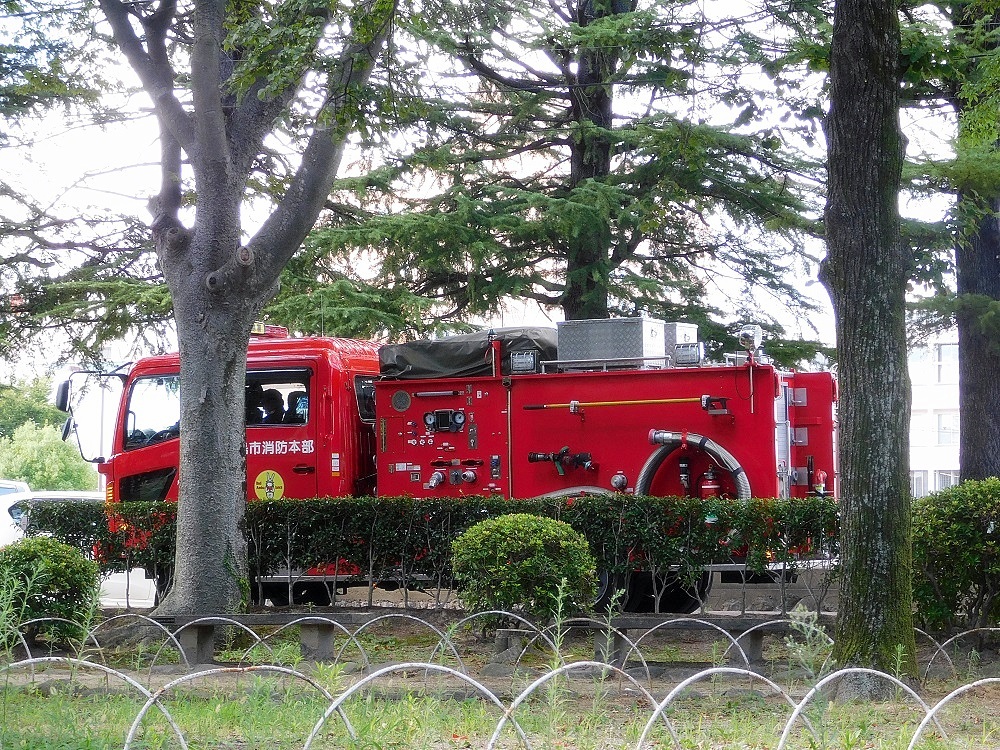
[(624, 405)]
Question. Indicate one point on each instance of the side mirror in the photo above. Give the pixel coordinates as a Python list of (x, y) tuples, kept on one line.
[(19, 516), (67, 428), (62, 399)]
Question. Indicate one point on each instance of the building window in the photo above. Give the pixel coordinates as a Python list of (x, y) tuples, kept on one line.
[(945, 479), (918, 483), (946, 358), (947, 428)]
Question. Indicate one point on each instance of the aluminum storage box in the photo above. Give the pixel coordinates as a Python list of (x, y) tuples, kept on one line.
[(679, 333), (612, 338)]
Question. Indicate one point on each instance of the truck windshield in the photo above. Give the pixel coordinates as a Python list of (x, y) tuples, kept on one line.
[(154, 408)]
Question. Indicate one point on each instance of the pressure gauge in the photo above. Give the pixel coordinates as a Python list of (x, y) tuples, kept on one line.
[(458, 418), (430, 420)]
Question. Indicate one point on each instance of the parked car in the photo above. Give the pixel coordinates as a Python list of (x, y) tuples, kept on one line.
[(15, 505), (130, 589), (8, 486)]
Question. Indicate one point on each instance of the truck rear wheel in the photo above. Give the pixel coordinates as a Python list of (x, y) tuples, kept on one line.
[(637, 593), (667, 593), (611, 592), (303, 592), (164, 579)]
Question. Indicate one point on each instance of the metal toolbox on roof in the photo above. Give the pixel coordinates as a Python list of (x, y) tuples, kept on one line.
[(612, 338)]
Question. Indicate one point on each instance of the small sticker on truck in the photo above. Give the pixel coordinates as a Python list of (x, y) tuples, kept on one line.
[(269, 485)]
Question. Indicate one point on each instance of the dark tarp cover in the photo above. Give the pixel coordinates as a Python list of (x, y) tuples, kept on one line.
[(463, 355)]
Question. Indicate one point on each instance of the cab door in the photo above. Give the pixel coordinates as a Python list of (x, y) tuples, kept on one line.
[(146, 455), (282, 426)]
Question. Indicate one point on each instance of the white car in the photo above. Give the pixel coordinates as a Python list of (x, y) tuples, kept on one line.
[(130, 589), (13, 507), (8, 486)]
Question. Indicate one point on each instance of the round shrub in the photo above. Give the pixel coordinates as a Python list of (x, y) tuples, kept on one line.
[(956, 556), (519, 563), (41, 577)]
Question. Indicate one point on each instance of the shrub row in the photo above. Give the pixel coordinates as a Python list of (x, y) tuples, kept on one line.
[(956, 556), (410, 540), (956, 537)]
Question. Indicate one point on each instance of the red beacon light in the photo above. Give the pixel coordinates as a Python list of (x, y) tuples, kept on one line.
[(261, 330)]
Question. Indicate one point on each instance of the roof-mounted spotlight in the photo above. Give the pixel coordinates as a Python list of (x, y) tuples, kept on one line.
[(750, 337)]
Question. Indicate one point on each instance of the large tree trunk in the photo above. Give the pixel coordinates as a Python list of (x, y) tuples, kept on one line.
[(592, 105), (210, 567), (866, 272), (977, 267), (977, 261)]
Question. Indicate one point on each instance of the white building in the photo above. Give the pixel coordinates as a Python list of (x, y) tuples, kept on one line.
[(934, 424)]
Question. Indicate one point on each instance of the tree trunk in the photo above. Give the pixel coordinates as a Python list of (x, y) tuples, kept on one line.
[(210, 567), (218, 286), (866, 272), (213, 314), (591, 102), (977, 271), (977, 261)]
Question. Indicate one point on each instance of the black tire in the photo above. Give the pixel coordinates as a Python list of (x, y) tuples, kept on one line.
[(276, 593), (303, 592), (313, 593), (669, 595), (684, 598), (164, 581), (611, 592), (636, 593)]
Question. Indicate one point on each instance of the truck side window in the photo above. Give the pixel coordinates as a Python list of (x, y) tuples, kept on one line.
[(277, 397), (154, 409), (364, 388)]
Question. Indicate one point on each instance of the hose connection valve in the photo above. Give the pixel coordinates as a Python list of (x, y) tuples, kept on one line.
[(662, 437), (563, 459), (619, 482)]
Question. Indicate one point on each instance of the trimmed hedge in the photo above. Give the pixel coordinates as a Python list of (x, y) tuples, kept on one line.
[(409, 540), (956, 556)]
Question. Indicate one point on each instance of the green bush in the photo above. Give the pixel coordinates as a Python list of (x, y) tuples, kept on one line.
[(46, 578), (956, 557), (518, 563)]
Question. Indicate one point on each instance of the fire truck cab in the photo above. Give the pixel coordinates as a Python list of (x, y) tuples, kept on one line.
[(309, 422)]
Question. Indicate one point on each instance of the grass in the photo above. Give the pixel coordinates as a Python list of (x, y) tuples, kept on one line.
[(275, 713), (63, 708)]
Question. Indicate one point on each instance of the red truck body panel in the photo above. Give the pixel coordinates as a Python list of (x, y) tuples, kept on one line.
[(604, 419)]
